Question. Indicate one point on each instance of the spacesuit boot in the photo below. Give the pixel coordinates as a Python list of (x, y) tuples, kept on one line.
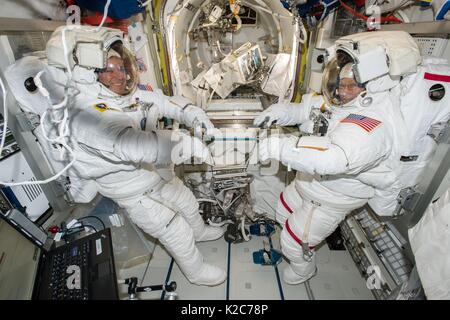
[(187, 255), (209, 275), (301, 267), (293, 278)]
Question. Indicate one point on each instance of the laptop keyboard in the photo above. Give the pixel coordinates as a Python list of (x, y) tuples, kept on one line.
[(68, 270)]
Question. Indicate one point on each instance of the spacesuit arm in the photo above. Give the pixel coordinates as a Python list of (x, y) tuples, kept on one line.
[(331, 161), (347, 150), (289, 114), (159, 147), (170, 107), (136, 146), (177, 107)]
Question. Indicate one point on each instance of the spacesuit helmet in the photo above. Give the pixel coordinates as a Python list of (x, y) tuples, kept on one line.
[(339, 84), (97, 58), (120, 74)]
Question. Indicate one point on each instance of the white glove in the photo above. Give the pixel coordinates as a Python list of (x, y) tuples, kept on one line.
[(188, 147), (289, 114), (177, 147), (285, 114), (178, 108), (273, 147), (195, 116), (307, 127)]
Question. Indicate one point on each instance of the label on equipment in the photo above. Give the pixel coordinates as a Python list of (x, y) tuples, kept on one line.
[(98, 246), (58, 236)]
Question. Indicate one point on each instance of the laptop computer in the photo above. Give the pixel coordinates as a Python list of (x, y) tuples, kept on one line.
[(80, 270)]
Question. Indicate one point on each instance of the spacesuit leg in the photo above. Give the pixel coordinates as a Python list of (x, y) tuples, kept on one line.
[(175, 234), (177, 194), (306, 228), (288, 202)]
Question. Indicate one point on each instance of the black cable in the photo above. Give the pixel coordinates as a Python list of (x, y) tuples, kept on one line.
[(89, 225), (82, 218), (70, 232)]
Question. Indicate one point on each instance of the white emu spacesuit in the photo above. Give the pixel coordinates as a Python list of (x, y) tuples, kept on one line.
[(356, 147), (121, 154)]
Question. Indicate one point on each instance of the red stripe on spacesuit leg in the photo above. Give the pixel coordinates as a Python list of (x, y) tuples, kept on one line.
[(285, 203), (436, 77), (292, 234)]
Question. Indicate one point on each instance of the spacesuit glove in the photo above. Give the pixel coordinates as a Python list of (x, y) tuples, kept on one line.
[(275, 146), (177, 147), (196, 117), (284, 114)]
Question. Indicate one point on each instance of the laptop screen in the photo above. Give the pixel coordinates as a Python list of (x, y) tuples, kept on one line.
[(19, 258)]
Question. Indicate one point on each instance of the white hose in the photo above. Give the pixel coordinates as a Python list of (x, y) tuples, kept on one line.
[(304, 35), (5, 115), (188, 38), (211, 96), (105, 14), (244, 234), (402, 15), (146, 3), (5, 124), (239, 23), (63, 130), (220, 224), (220, 49), (232, 202), (41, 181)]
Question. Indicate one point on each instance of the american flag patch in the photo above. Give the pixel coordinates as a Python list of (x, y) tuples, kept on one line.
[(366, 123), (145, 87)]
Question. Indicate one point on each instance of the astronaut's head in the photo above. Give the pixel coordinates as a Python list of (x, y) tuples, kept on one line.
[(98, 60), (348, 89), (376, 61), (339, 84), (120, 74), (114, 75)]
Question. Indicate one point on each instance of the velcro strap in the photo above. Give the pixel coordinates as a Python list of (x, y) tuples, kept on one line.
[(292, 234)]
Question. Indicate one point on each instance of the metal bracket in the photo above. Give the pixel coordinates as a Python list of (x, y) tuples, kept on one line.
[(440, 132), (156, 28), (307, 253), (320, 124), (407, 200), (28, 121)]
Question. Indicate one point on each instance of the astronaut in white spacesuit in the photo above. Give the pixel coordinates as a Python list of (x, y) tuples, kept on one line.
[(354, 138), (121, 153)]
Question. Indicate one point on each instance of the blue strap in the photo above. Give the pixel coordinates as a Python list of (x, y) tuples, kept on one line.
[(444, 9)]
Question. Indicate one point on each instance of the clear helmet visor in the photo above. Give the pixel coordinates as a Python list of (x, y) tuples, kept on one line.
[(120, 75), (338, 82)]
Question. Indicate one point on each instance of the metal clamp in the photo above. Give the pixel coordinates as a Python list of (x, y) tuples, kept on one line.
[(133, 288), (28, 121), (407, 200), (440, 132), (307, 253), (320, 124)]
